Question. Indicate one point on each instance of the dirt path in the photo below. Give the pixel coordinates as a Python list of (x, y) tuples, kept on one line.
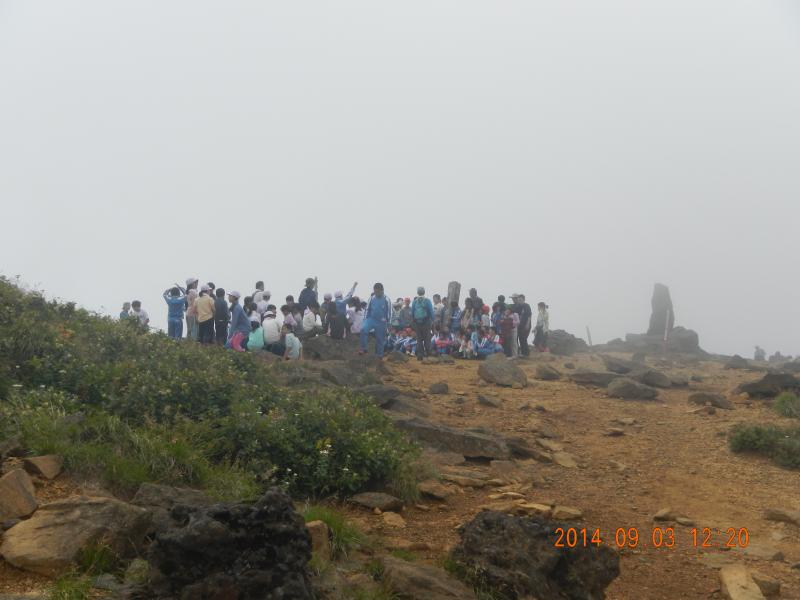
[(671, 458)]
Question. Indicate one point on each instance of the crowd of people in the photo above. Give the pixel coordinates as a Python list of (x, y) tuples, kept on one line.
[(418, 326)]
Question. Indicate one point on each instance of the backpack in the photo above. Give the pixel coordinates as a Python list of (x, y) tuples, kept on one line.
[(419, 310)]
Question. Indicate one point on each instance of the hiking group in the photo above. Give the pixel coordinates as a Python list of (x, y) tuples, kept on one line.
[(420, 326)]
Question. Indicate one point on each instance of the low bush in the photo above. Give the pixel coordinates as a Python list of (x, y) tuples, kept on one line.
[(344, 535), (782, 445), (787, 404)]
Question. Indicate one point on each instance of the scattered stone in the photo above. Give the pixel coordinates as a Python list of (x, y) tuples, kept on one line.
[(618, 466), (486, 401), (665, 514), (566, 513), (470, 444), (685, 521), (48, 466), (769, 385), (520, 448), (546, 373), (761, 552), (397, 357), (696, 378), (507, 496), (737, 362), (614, 432), (54, 536), (550, 445), (569, 365), (417, 581), (17, 495), (435, 489), (234, 551), (598, 378), (769, 586), (503, 469), (783, 515), (737, 584), (707, 398), (499, 370), (383, 395), (440, 387), (629, 389), (618, 365), (679, 381), (561, 343), (565, 459), (340, 372), (625, 421), (546, 431), (465, 481), (320, 539), (704, 410), (12, 446), (106, 582), (138, 572), (377, 500), (392, 519), (516, 557), (532, 508), (655, 379)]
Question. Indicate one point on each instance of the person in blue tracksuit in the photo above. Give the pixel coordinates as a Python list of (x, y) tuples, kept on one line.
[(376, 318), (422, 319), (175, 299), (240, 324)]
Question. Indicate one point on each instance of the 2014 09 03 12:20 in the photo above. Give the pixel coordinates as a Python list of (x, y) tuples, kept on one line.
[(659, 537)]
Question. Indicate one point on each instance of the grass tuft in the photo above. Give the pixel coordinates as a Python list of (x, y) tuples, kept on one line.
[(344, 535), (788, 405)]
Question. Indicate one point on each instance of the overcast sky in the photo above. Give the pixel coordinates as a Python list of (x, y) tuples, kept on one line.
[(577, 151)]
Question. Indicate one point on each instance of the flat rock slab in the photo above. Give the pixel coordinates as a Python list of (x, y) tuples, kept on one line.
[(435, 489), (48, 466), (50, 541), (377, 500), (416, 581), (761, 552), (471, 444), (628, 389), (17, 495), (598, 378), (564, 459), (737, 584), (784, 515)]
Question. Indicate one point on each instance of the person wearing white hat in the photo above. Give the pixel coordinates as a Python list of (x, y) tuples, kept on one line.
[(192, 327), (240, 324), (204, 309)]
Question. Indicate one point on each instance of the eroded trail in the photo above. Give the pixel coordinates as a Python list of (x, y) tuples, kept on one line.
[(665, 457)]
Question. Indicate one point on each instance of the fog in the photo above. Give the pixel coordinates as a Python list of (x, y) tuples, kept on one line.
[(575, 151)]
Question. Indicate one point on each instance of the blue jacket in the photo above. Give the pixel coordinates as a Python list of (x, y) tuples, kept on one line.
[(175, 305), (239, 321), (379, 308), (428, 305), (306, 297)]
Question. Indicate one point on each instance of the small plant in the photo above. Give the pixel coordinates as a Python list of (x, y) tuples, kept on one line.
[(344, 535), (374, 569), (787, 405), (97, 559), (70, 587), (405, 555), (782, 445)]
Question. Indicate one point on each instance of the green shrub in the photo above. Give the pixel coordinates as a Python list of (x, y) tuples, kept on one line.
[(780, 444), (788, 405), (70, 587), (344, 535)]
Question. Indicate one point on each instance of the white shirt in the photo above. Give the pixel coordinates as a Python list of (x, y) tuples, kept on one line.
[(261, 306), (310, 320), (272, 331), (357, 320), (142, 316)]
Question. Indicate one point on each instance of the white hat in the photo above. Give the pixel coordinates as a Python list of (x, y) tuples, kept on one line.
[(190, 281), (235, 294), (205, 288), (338, 294)]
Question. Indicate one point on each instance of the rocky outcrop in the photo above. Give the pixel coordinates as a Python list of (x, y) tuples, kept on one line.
[(48, 466), (628, 389), (561, 343), (49, 542), (17, 495), (709, 399), (498, 369), (598, 378), (619, 365), (737, 362), (770, 385), (416, 581), (662, 317), (654, 378), (161, 499), (516, 557), (233, 551), (546, 373), (470, 444), (323, 347)]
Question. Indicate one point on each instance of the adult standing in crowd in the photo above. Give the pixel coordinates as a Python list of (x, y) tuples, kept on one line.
[(192, 329), (222, 317), (378, 315), (422, 316), (240, 323), (176, 303), (523, 309), (204, 309), (542, 328), (307, 295)]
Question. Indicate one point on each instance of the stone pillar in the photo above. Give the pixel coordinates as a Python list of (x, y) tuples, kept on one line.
[(663, 314), (453, 291)]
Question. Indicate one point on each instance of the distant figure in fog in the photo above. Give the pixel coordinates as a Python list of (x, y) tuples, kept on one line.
[(760, 353), (138, 312), (125, 313), (542, 328)]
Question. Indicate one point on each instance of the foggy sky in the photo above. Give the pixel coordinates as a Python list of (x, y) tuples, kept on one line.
[(576, 151)]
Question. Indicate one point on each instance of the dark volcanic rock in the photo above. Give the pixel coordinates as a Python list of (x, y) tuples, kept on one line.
[(737, 362), (770, 385), (440, 387), (662, 316), (160, 499), (498, 369), (628, 389), (716, 400), (654, 378), (561, 343), (546, 373), (599, 378), (382, 394), (471, 444), (232, 551), (619, 365), (323, 347), (516, 557)]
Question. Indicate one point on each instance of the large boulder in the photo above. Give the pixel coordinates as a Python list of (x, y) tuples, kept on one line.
[(662, 317), (498, 369), (339, 372), (48, 466), (561, 343), (516, 557), (619, 365), (323, 347), (654, 378), (383, 395), (770, 385), (470, 444), (628, 389), (598, 378), (17, 495), (377, 500), (416, 581), (52, 539), (708, 398), (161, 499), (546, 373), (234, 551)]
